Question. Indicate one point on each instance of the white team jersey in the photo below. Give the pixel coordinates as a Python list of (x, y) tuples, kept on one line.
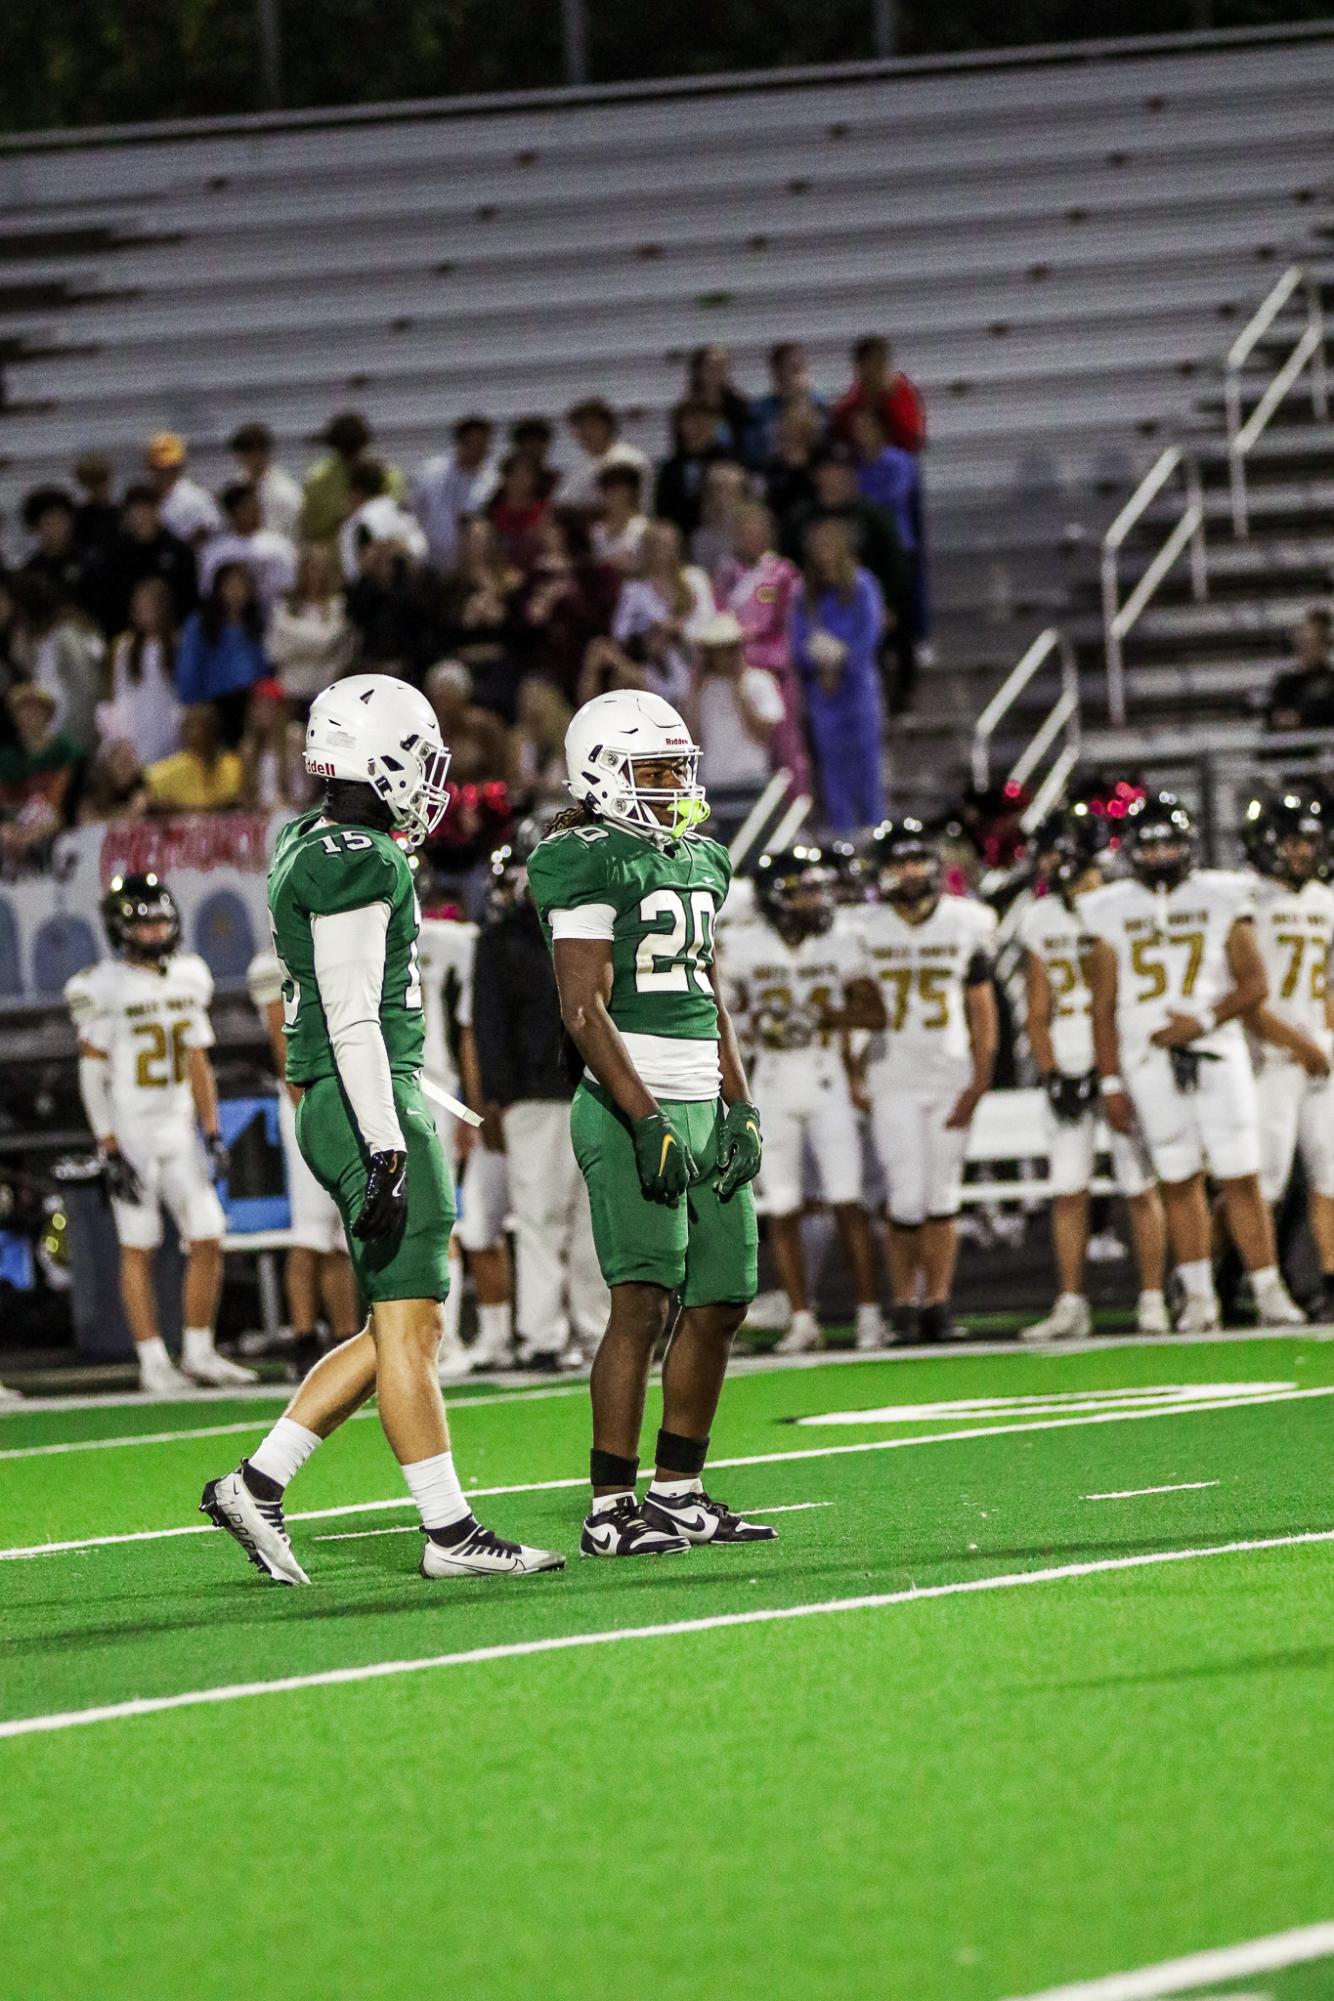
[(264, 978), (780, 994), (1171, 952), (1057, 935), (1293, 928), (146, 1023), (445, 950), (923, 974)]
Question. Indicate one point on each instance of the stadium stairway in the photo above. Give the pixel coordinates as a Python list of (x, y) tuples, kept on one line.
[(1059, 243)]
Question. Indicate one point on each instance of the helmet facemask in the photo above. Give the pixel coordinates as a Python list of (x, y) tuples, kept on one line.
[(634, 803), (411, 781), (132, 910), (912, 877)]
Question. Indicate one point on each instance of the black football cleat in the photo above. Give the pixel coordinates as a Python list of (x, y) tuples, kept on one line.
[(698, 1519), (625, 1530)]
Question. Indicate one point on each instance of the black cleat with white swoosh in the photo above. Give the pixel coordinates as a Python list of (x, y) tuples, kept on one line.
[(625, 1530), (699, 1519)]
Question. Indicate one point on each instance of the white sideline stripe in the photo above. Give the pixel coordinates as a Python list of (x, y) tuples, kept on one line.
[(255, 1423), (750, 1459), (153, 1705), (1135, 1493), (408, 1528), (1055, 1405), (1229, 1962), (744, 1365)]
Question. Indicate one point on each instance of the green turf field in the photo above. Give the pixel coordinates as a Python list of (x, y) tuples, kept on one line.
[(991, 1743)]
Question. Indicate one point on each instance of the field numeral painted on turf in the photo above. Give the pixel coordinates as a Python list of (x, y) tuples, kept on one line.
[(1158, 1396)]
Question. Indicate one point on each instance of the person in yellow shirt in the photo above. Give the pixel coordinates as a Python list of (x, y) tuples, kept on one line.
[(201, 777), (326, 491)]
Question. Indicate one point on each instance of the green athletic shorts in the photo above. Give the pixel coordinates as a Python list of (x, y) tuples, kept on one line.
[(414, 1264), (703, 1248)]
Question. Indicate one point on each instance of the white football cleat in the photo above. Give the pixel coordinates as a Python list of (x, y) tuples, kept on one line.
[(1151, 1314), (768, 1312), (257, 1525), (870, 1329), (1069, 1320), (164, 1379), (803, 1337), (452, 1359), (8, 1396), (1278, 1308), (213, 1371), (481, 1553), (1199, 1315)]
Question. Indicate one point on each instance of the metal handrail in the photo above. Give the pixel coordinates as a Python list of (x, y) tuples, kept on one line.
[(1117, 618), (1061, 719), (1310, 347)]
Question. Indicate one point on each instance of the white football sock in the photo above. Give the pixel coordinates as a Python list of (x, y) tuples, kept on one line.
[(434, 1486), (285, 1450), (152, 1356), (1197, 1277), (670, 1488), (602, 1502), (1265, 1279), (495, 1327), (196, 1345)]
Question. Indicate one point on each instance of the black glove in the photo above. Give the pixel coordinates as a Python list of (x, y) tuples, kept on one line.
[(119, 1179), (219, 1159), (384, 1206), (739, 1149), (1071, 1098), (1186, 1066), (666, 1164)]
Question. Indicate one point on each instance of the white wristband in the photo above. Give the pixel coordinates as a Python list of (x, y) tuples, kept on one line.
[(1111, 1087)]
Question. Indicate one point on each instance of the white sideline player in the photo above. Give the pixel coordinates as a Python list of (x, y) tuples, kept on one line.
[(1060, 1034), (447, 945), (1293, 1032), (318, 1271), (148, 1090), (1174, 968), (797, 977), (932, 956)]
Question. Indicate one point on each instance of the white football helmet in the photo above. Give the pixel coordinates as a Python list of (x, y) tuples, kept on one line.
[(607, 739), (379, 731)]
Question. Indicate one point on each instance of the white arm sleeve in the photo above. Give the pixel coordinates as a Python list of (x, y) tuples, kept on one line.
[(349, 971), (590, 920), (95, 1090)]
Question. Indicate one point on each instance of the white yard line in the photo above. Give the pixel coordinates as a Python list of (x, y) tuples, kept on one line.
[(749, 1459), (155, 1705), (1199, 1969), (744, 1365), (1135, 1493)]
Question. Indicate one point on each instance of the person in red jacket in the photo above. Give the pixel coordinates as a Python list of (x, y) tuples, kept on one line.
[(887, 389)]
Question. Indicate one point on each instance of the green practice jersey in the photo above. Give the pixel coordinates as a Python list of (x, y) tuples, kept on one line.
[(316, 871), (657, 907)]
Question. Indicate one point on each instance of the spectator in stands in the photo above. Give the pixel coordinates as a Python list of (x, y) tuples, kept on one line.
[(1303, 697), (76, 572), (481, 604), (726, 490), (269, 556), (201, 777), (709, 381), (732, 710), (789, 480), (760, 588), (619, 528), (96, 517), (875, 380), (142, 705), (836, 626), (11, 666), (891, 479), (115, 789), (532, 437), (517, 511), (445, 489), (568, 601), (221, 654), (374, 515), (655, 615), (538, 743), (790, 390), (324, 503), (697, 444), (63, 652), (39, 774), (187, 509), (479, 746), (144, 548), (310, 638), (396, 611), (271, 752), (279, 494), (876, 546), (597, 432)]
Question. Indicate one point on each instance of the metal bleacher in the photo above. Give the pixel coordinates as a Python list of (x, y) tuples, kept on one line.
[(1060, 246)]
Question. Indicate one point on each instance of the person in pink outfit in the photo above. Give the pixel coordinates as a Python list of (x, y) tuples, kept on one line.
[(758, 587)]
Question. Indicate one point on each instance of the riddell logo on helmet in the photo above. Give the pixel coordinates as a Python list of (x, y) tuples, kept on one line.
[(684, 741), (319, 768)]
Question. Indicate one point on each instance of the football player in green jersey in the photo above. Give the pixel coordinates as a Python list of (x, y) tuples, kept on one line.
[(628, 892), (345, 922)]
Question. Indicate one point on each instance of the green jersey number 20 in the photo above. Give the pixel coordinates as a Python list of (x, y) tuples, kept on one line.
[(668, 958)]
